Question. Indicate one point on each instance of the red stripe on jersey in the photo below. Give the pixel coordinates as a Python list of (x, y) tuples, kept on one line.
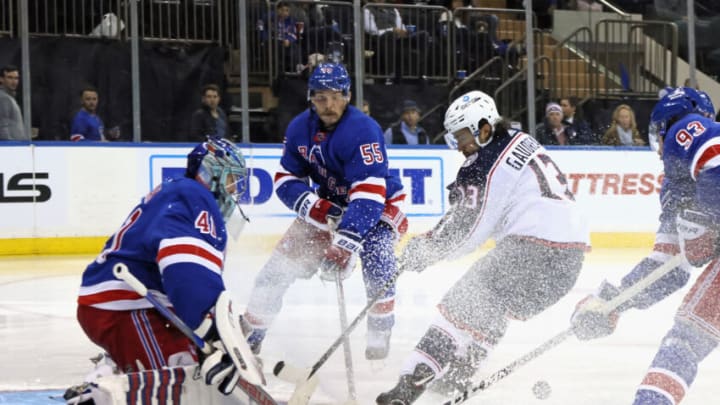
[(280, 175), (667, 248), (148, 387), (368, 188), (163, 387), (665, 383), (383, 307), (177, 386), (133, 383), (188, 249), (401, 197), (107, 296), (709, 153)]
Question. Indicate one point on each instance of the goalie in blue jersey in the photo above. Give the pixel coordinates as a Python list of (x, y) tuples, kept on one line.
[(334, 175), (174, 243)]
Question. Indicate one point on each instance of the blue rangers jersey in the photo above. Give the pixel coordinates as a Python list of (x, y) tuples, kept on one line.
[(691, 158), (174, 243), (348, 165)]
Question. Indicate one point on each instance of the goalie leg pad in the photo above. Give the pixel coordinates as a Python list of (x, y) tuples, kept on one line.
[(700, 305)]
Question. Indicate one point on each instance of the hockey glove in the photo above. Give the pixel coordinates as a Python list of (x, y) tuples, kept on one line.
[(217, 368), (339, 258), (418, 254), (698, 237), (317, 211), (589, 321)]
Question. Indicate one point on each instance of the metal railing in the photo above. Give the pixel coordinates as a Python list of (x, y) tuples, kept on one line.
[(640, 56), (511, 95)]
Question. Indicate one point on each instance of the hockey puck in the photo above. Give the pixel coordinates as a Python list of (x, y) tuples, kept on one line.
[(541, 390)]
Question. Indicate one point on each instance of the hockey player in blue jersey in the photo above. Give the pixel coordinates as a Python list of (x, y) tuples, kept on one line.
[(350, 210), (174, 242), (688, 143), (509, 189)]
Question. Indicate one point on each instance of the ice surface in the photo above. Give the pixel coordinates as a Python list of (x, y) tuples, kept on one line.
[(44, 348)]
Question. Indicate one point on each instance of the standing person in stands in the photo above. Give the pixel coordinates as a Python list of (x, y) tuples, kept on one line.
[(87, 124)]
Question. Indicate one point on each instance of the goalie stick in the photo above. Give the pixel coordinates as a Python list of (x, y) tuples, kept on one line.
[(608, 307), (251, 389)]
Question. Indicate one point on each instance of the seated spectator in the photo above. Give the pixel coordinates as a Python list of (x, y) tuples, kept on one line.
[(623, 128), (474, 34), (572, 119), (408, 131), (553, 131), (209, 119), (285, 35), (87, 124), (393, 44)]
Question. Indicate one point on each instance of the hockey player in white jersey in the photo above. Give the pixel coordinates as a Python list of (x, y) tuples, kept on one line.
[(511, 190)]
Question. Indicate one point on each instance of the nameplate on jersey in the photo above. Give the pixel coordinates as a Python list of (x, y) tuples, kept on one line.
[(521, 152)]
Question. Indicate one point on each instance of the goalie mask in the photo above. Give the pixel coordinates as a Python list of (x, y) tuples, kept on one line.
[(220, 166), (472, 110)]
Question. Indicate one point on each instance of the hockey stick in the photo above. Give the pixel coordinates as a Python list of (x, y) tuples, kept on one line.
[(606, 308), (254, 391), (350, 372), (305, 379)]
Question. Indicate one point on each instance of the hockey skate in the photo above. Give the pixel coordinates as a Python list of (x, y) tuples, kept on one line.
[(378, 344), (409, 388), (460, 372)]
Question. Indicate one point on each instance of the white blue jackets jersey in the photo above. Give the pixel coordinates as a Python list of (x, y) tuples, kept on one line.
[(174, 243), (348, 165), (691, 158), (510, 187)]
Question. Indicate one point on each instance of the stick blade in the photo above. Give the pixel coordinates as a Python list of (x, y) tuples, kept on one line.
[(303, 391)]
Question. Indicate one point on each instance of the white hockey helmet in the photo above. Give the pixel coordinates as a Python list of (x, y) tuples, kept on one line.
[(471, 111)]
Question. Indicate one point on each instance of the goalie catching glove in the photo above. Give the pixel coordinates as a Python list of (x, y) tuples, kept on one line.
[(698, 237), (318, 212), (217, 368), (340, 256), (590, 321), (230, 357)]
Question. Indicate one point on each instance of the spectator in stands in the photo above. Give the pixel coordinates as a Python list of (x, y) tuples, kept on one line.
[(209, 119), (285, 36), (571, 118), (10, 79), (11, 122), (408, 131), (552, 131), (623, 128), (389, 38), (87, 124)]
